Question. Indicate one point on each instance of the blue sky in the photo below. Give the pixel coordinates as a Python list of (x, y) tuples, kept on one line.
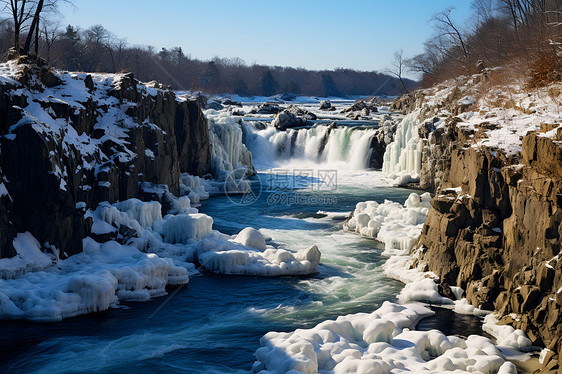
[(313, 34)]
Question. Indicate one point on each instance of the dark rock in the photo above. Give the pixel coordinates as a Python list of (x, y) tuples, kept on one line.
[(215, 105), (361, 106), (231, 102), (327, 105), (288, 96), (292, 117), (268, 108), (89, 83)]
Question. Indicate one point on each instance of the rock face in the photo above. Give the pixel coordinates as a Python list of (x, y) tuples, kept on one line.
[(383, 137), (79, 140), (495, 226), (499, 237)]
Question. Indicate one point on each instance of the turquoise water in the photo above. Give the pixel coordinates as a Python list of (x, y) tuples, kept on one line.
[(213, 324)]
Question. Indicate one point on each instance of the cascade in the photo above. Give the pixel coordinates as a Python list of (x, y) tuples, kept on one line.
[(319, 144)]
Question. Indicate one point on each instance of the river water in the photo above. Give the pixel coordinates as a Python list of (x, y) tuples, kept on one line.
[(214, 323)]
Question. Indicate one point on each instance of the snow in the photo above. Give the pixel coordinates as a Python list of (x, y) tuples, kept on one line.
[(380, 342), (502, 114)]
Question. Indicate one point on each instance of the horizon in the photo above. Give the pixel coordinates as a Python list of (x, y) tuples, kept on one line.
[(358, 47)]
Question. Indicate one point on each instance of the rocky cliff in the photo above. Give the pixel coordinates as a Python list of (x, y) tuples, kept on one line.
[(69, 141), (493, 156)]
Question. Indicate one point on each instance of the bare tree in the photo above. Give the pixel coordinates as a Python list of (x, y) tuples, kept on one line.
[(399, 66), (21, 11), (446, 28), (51, 33)]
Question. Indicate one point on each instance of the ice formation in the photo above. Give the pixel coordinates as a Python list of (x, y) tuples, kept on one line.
[(160, 253), (29, 257), (505, 335), (221, 254), (392, 223), (380, 342), (229, 154), (402, 158), (92, 281)]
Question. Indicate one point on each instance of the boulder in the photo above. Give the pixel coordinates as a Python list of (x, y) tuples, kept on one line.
[(362, 107), (292, 117), (268, 108), (327, 105)]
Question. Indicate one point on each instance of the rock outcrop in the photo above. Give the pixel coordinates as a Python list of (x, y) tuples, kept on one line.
[(495, 226), (70, 141), (360, 109)]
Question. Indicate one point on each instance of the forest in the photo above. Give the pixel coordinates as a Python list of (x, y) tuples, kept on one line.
[(97, 49), (522, 36)]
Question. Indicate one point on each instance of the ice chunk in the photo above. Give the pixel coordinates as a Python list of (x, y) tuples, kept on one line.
[(183, 227), (145, 213), (230, 257), (29, 257), (380, 342), (251, 237)]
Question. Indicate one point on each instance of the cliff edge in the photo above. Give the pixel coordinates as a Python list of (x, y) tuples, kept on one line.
[(492, 154), (71, 140)]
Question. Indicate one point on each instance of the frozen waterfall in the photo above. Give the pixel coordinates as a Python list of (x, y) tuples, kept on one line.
[(402, 159), (229, 155)]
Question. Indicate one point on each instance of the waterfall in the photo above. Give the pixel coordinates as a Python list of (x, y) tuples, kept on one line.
[(319, 144), (402, 158)]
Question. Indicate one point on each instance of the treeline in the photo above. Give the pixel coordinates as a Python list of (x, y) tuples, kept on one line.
[(523, 34), (96, 49)]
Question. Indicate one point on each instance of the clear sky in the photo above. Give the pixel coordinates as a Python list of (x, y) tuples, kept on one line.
[(313, 34)]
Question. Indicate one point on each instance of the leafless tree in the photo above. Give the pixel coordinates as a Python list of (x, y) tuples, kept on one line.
[(21, 11), (447, 29), (398, 68), (50, 33)]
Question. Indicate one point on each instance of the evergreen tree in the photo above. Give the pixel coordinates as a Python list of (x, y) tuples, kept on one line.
[(268, 84), (330, 88)]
